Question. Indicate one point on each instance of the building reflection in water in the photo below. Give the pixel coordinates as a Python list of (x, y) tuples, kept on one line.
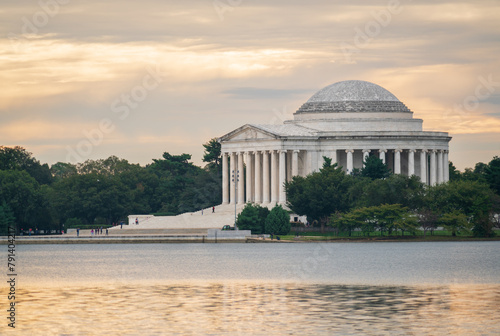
[(239, 308)]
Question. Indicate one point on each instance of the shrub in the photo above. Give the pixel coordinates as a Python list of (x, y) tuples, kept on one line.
[(252, 217), (278, 221)]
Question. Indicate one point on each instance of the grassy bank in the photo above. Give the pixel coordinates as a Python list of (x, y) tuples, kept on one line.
[(441, 235)]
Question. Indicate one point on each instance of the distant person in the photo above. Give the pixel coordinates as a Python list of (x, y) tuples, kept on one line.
[(137, 221), (91, 232), (202, 212), (121, 225), (101, 229), (106, 231), (78, 232), (213, 209)]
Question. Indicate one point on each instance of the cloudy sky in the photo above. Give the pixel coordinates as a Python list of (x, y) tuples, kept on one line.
[(89, 79)]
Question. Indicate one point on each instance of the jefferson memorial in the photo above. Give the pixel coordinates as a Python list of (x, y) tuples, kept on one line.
[(347, 122)]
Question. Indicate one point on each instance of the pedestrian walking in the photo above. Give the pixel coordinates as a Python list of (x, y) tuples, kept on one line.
[(106, 231), (213, 209), (91, 232), (121, 225), (78, 232), (137, 221)]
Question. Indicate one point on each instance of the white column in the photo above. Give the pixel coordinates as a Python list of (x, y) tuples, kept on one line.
[(411, 162), (333, 156), (265, 177), (282, 177), (274, 177), (446, 166), (312, 161), (432, 167), (440, 175), (233, 177), (295, 163), (241, 181), (258, 178), (397, 161), (248, 176), (350, 161), (423, 166), (382, 154), (320, 159), (225, 180), (366, 154), (289, 158)]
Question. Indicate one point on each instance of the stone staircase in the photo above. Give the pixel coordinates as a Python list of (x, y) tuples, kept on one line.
[(189, 223)]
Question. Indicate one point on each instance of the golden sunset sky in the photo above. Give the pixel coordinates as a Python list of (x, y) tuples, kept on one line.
[(89, 79)]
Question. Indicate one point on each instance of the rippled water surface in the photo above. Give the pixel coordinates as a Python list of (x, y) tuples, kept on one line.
[(258, 289)]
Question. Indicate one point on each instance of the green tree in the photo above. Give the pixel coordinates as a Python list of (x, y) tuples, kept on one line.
[(396, 189), (407, 222), (473, 198), (480, 168), (375, 168), (347, 222), (468, 197), (319, 194), (263, 213), (427, 219), (212, 154), (387, 215), (455, 221), (7, 219), (91, 196), (62, 170), (21, 193), (383, 217), (17, 158), (492, 174), (327, 162), (110, 166), (278, 221), (253, 217), (454, 172), (483, 226), (248, 219), (176, 175)]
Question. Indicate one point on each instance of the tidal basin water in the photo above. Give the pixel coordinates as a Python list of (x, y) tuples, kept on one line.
[(445, 288)]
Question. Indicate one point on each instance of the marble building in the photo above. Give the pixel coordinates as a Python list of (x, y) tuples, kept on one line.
[(347, 122)]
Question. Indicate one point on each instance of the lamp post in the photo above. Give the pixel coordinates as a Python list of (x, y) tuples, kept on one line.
[(235, 178)]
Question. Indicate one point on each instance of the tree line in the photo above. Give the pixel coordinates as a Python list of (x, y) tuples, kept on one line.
[(34, 195), (372, 199)]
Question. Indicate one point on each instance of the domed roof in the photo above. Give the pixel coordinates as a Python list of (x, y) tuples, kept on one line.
[(352, 90), (352, 96)]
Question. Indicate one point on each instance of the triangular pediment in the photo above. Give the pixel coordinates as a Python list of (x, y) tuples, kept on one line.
[(249, 132)]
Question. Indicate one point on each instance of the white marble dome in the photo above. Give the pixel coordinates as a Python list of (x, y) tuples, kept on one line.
[(352, 96), (352, 90)]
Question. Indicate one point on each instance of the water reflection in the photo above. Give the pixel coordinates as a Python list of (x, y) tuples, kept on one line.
[(239, 308)]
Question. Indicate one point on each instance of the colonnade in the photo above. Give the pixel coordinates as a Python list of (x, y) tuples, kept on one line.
[(259, 175)]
